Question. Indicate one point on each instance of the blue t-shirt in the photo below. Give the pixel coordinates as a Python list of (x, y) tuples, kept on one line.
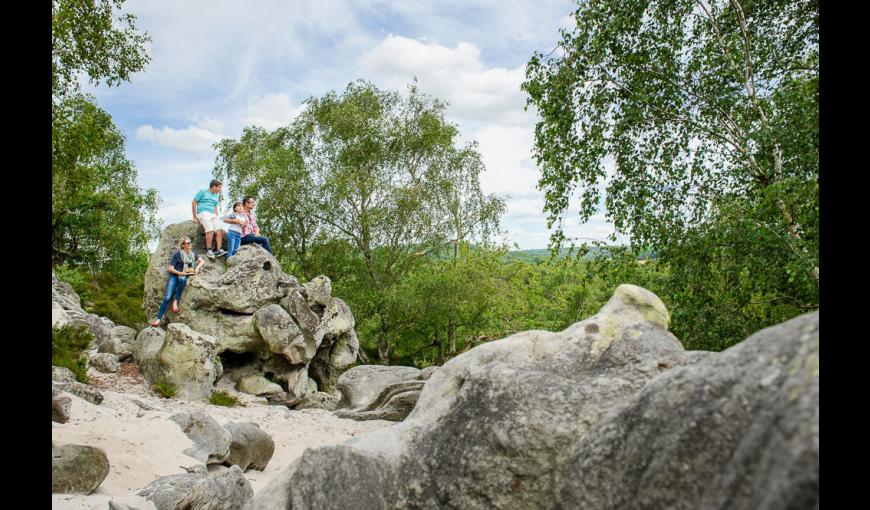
[(178, 263), (206, 201)]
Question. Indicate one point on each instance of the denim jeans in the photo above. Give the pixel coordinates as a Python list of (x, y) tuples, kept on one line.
[(262, 241), (175, 286), (233, 241)]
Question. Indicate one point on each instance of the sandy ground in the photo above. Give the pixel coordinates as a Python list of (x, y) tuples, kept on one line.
[(132, 426)]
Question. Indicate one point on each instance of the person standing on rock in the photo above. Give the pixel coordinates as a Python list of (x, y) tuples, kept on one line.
[(250, 230), (180, 267), (205, 211)]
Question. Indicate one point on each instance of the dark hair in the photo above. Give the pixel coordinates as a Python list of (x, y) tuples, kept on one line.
[(213, 183), (245, 200), (236, 204)]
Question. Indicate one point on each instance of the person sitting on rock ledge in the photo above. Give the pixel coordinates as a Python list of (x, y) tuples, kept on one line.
[(250, 230), (180, 267)]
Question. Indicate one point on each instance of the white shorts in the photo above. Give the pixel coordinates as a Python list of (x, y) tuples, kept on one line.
[(210, 221)]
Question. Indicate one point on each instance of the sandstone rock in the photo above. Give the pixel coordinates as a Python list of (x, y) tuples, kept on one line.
[(228, 490), (186, 360), (60, 405), (282, 335), (256, 384), (211, 442), (427, 372), (62, 374), (114, 345), (563, 420), (394, 403), (337, 319), (104, 362), (318, 400), (80, 390), (146, 347), (743, 424), (361, 385), (308, 321), (125, 334), (318, 292), (250, 447), (332, 359), (77, 469)]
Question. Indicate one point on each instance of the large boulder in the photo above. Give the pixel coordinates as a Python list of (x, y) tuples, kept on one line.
[(211, 442), (77, 469), (563, 420), (186, 360), (81, 390), (250, 447), (227, 490), (146, 348), (104, 362), (250, 306), (361, 385)]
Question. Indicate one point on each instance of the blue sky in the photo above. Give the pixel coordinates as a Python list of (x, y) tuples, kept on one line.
[(218, 66)]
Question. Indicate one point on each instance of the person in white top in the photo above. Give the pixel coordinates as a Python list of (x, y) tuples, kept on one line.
[(234, 235)]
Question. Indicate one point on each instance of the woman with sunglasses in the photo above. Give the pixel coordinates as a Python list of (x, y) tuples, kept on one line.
[(180, 267)]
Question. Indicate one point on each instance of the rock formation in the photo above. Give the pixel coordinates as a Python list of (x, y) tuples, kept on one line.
[(289, 332), (77, 469), (610, 413)]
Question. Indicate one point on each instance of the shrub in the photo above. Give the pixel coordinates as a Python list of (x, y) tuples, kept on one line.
[(165, 390), (68, 346), (220, 398)]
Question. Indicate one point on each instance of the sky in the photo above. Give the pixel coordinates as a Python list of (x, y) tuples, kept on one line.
[(218, 66)]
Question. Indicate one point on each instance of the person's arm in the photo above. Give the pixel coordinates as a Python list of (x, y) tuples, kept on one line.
[(174, 271), (256, 227), (193, 208)]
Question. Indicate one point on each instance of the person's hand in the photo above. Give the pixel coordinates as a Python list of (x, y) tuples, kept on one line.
[(195, 220)]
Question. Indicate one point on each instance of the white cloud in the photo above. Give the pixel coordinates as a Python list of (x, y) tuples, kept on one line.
[(270, 111), (476, 94), (194, 139)]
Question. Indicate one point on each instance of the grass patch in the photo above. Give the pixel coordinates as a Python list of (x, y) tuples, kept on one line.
[(68, 346), (165, 390), (220, 398)]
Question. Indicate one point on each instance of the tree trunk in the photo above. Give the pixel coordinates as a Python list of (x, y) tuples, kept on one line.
[(451, 337), (383, 343)]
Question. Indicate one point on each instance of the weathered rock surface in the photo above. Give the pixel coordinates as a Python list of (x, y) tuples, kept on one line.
[(249, 305), (146, 347), (77, 469), (60, 405), (62, 375), (361, 385), (211, 442), (186, 360), (67, 309), (564, 420), (104, 362), (256, 384), (228, 490), (394, 403), (80, 390), (318, 400), (250, 447), (117, 346)]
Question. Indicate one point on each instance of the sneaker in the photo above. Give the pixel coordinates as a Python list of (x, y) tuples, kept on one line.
[(220, 253), (210, 255)]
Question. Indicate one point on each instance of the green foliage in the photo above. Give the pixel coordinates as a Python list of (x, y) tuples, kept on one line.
[(709, 111), (68, 346), (221, 398), (361, 186), (165, 390), (98, 212), (86, 39), (115, 293)]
